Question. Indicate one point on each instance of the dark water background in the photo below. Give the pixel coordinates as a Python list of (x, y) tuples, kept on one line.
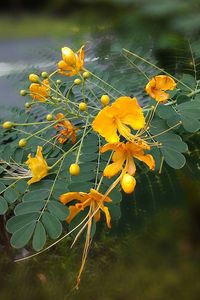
[(154, 251)]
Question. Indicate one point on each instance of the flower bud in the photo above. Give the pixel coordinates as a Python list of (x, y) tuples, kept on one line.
[(77, 81), (69, 56), (23, 93), (86, 75), (44, 75), (7, 125), (34, 78), (27, 105), (74, 169), (105, 99), (128, 183), (22, 143), (49, 117), (58, 81), (82, 106)]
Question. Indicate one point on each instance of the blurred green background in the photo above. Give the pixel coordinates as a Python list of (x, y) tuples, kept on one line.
[(148, 256)]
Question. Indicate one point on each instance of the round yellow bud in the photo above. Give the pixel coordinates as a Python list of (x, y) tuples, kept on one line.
[(82, 106), (7, 125), (58, 81), (44, 75), (77, 81), (86, 75), (69, 56), (74, 169), (34, 78), (23, 93), (27, 105), (22, 143), (49, 117), (105, 99), (128, 183)]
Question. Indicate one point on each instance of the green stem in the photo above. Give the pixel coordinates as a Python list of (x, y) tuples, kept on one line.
[(156, 67), (103, 81), (81, 143)]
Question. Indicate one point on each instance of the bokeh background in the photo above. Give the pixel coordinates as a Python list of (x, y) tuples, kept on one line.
[(153, 257)]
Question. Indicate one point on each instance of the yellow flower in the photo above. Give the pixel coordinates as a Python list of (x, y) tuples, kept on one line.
[(38, 166), (66, 129), (71, 63), (123, 158), (93, 199), (40, 91), (158, 85), (115, 118)]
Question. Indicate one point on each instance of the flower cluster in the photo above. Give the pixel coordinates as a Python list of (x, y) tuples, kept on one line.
[(122, 127)]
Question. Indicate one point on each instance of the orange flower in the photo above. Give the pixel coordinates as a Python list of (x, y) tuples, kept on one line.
[(158, 85), (71, 63), (66, 129), (38, 166), (123, 157), (93, 199), (40, 91), (115, 118)]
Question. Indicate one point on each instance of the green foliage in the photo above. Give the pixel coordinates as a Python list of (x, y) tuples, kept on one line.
[(35, 213)]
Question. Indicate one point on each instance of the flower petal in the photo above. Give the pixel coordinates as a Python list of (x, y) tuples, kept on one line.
[(114, 168), (68, 197), (73, 212), (104, 124), (147, 159), (130, 112), (107, 215)]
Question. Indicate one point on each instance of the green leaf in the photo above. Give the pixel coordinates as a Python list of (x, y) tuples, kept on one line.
[(190, 124), (21, 237), (41, 185), (11, 195), (174, 159), (18, 155), (165, 111), (3, 206), (190, 109), (182, 98), (39, 237), (80, 186), (58, 209), (115, 212), (36, 195), (28, 207), (189, 114), (52, 225), (17, 222), (21, 186), (2, 187), (189, 80), (172, 141)]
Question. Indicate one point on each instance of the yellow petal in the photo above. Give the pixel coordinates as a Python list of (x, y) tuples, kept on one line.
[(97, 216), (98, 196), (131, 168), (157, 86), (147, 159), (107, 215), (66, 198), (112, 169), (68, 56), (130, 112), (73, 212), (105, 125), (109, 146)]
